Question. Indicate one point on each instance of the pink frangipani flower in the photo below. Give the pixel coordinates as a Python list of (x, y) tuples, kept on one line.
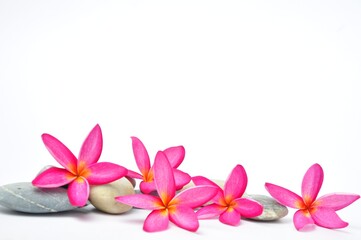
[(321, 211), (169, 206), (79, 172), (228, 203), (175, 156)]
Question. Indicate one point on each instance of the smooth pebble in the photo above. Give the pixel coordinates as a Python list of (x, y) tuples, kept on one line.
[(272, 210), (102, 197), (24, 197)]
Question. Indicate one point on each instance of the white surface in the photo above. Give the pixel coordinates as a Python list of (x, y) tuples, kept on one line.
[(272, 85)]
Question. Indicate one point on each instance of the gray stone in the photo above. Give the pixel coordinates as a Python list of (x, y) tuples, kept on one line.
[(102, 197), (24, 197), (272, 210)]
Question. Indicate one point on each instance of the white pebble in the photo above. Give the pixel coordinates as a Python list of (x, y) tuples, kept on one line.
[(102, 196)]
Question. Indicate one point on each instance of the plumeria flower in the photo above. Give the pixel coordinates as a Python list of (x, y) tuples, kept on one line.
[(228, 204), (168, 206), (175, 156), (321, 211), (79, 172)]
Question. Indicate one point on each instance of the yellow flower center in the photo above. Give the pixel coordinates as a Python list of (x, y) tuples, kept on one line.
[(83, 170), (149, 177)]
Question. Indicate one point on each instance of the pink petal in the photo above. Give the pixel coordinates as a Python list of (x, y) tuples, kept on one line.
[(181, 178), (327, 218), (184, 217), (302, 218), (336, 201), (78, 192), (195, 196), (210, 211), (141, 201), (230, 217), (53, 177), (147, 187), (163, 177), (133, 174), (157, 220), (91, 149), (60, 152), (248, 207), (104, 172), (199, 180), (236, 183), (311, 184), (175, 155), (141, 156), (285, 196)]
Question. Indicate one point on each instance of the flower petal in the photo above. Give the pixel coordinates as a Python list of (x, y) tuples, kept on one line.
[(175, 155), (133, 174), (301, 218), (184, 217), (141, 156), (181, 178), (78, 192), (248, 207), (53, 177), (195, 196), (311, 183), (163, 177), (236, 183), (336, 201), (210, 211), (104, 172), (147, 187), (143, 201), (60, 152), (157, 220), (327, 218), (230, 217), (92, 147), (200, 180), (285, 196)]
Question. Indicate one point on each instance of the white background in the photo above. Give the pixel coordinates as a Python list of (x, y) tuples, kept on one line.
[(272, 85)]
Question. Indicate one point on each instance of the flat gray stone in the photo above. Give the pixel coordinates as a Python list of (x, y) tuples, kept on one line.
[(272, 210), (24, 197)]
